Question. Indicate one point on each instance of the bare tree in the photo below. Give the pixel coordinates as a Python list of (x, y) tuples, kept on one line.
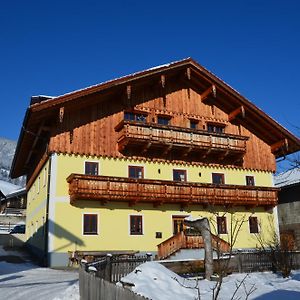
[(202, 225), (223, 265)]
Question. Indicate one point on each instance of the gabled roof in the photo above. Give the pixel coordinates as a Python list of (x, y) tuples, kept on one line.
[(228, 99), (287, 178), (6, 188)]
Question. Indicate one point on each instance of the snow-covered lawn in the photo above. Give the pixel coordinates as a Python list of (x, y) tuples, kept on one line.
[(24, 280), (156, 282)]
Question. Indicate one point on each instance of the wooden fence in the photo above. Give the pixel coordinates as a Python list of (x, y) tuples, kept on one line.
[(258, 261), (92, 287)]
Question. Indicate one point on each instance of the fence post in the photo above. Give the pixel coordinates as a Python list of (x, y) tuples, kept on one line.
[(239, 262), (108, 267), (149, 256)]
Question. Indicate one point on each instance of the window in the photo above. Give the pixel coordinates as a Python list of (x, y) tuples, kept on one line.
[(163, 120), (250, 180), (179, 175), (218, 178), (91, 168), (193, 124), (136, 225), (221, 225), (215, 128), (90, 224), (253, 225), (137, 117), (135, 172)]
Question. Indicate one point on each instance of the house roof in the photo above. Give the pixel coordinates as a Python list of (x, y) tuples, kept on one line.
[(6, 188), (287, 178), (229, 99)]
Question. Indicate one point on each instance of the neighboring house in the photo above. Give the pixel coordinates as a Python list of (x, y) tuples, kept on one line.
[(289, 207), (11, 196), (119, 165)]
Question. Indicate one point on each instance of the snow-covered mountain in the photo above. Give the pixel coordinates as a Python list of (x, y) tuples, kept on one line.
[(7, 151)]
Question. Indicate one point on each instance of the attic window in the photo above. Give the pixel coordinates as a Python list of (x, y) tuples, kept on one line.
[(215, 128), (136, 117), (163, 120)]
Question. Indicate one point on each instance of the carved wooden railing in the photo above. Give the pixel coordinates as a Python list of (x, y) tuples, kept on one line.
[(185, 241), (105, 188), (146, 135)]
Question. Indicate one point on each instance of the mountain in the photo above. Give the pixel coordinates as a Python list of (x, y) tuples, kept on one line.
[(7, 151)]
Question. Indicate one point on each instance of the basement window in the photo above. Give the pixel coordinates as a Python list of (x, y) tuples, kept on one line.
[(221, 225), (90, 224), (253, 225), (136, 225)]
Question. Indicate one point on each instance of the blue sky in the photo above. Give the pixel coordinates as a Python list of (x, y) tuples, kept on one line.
[(53, 47)]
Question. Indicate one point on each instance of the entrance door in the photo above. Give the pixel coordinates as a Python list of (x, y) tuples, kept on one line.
[(178, 224)]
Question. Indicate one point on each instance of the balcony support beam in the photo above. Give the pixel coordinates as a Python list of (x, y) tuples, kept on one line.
[(240, 111), (280, 144), (210, 90)]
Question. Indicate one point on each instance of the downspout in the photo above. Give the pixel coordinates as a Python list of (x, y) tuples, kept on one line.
[(46, 240)]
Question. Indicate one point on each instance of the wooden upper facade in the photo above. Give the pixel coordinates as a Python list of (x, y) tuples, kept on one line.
[(178, 112)]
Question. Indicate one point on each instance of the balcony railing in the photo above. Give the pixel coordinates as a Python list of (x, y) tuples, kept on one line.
[(104, 189), (146, 137)]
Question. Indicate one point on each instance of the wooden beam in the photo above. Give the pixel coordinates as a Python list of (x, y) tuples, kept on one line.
[(163, 81), (210, 90), (188, 73), (128, 91), (283, 143), (61, 114), (239, 111)]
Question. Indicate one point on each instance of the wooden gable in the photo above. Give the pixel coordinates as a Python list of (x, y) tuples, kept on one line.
[(86, 122)]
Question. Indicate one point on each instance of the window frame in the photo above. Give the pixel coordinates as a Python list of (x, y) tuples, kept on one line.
[(254, 225), (194, 123), (83, 224), (165, 118), (180, 171), (135, 167), (215, 128), (136, 233), (250, 181), (135, 116), (91, 162), (222, 175), (222, 225)]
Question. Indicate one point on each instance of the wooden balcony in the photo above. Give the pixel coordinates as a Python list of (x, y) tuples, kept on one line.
[(158, 192), (198, 145)]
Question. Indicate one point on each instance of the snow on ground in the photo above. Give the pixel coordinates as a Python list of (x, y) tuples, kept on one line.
[(156, 282), (21, 279)]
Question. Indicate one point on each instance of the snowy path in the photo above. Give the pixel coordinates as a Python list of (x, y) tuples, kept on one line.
[(29, 282)]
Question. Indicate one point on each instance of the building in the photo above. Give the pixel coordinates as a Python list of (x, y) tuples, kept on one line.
[(119, 165), (289, 207), (12, 198)]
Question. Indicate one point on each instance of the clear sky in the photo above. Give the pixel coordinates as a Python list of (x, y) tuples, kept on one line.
[(53, 47)]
